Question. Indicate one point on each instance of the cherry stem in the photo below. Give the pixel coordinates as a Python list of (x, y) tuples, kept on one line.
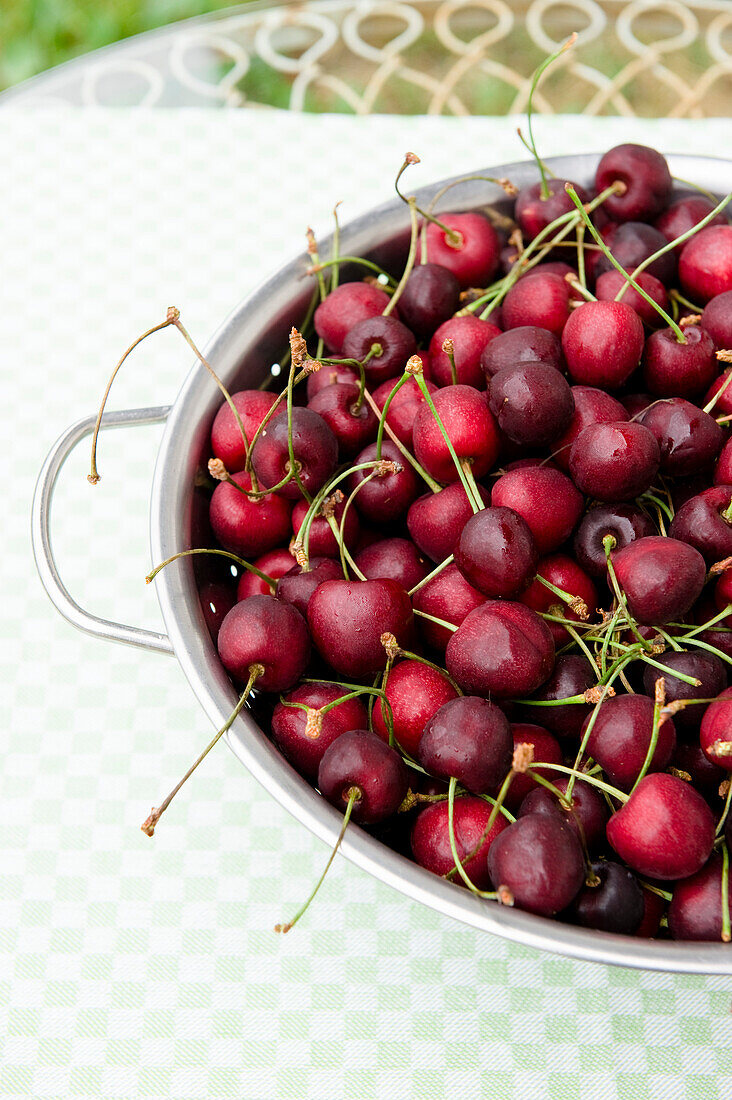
[(725, 811), (538, 73), (342, 525), (576, 773), (382, 412), (148, 826), (336, 250), (449, 349), (609, 543), (710, 404), (431, 618), (492, 895), (579, 640), (726, 932), (658, 704), (453, 237), (337, 261), (593, 718), (704, 626), (429, 481), (573, 602), (222, 553), (411, 256), (475, 503), (354, 794), (303, 534), (431, 576), (581, 273)]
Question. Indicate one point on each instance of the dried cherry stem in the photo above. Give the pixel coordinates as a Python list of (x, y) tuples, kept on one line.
[(411, 256), (449, 349), (538, 73), (222, 553), (609, 544), (354, 795), (431, 576), (726, 932), (148, 826), (218, 472), (573, 602), (490, 894)]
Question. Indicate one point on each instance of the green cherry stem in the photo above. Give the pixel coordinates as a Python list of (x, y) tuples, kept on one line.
[(725, 811), (468, 482), (431, 576), (658, 703), (433, 485), (411, 256), (453, 845), (726, 931), (538, 73), (609, 544), (222, 553)]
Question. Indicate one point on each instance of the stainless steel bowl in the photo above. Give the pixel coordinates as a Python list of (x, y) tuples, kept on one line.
[(250, 339)]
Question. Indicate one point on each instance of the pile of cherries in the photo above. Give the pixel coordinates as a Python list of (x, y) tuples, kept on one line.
[(481, 548)]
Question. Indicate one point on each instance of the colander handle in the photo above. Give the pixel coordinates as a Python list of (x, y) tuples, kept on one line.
[(41, 532)]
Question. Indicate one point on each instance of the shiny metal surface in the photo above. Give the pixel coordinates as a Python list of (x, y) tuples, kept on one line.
[(251, 338)]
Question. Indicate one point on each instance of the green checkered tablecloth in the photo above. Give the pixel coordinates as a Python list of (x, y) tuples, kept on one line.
[(132, 968)]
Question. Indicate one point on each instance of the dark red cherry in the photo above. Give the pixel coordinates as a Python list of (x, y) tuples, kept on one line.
[(430, 296), (415, 692), (632, 243), (470, 336), (348, 618), (263, 630), (297, 585), (496, 552), (539, 859), (525, 344), (449, 597), (322, 543), (471, 251), (695, 912), (587, 814), (665, 830), (390, 341), (673, 369), (662, 578), (470, 739), (353, 426), (534, 211), (503, 649), (615, 904), (715, 734), (435, 520), (572, 675), (702, 666), (701, 523), (706, 777), (648, 183), (684, 214), (342, 310), (614, 462), (625, 522), (248, 526), (385, 496), (689, 438), (609, 283), (545, 749), (716, 319), (532, 403), (602, 343), (547, 500), (591, 406), (470, 426), (404, 406), (304, 735), (360, 759), (705, 263), (226, 439), (431, 838), (538, 299), (621, 736), (398, 559), (315, 448), (275, 563)]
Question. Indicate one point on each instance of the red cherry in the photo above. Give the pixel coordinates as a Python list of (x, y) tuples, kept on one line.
[(226, 441), (404, 406), (572, 675), (689, 438), (705, 667), (532, 403), (384, 497), (415, 692), (314, 446), (625, 522), (614, 904), (648, 183), (715, 734), (695, 912), (609, 283), (397, 559), (614, 462), (547, 500), (360, 759), (716, 319), (546, 750), (591, 406), (540, 860), (217, 599), (435, 520), (684, 214), (472, 430), (393, 341), (602, 343), (563, 572), (248, 526), (348, 618), (328, 375), (431, 295), (473, 258), (621, 736), (352, 426), (322, 543), (503, 649), (662, 578), (470, 336), (303, 742), (470, 739), (634, 242), (673, 369), (700, 522), (431, 838), (496, 552), (449, 597), (344, 307), (275, 563), (263, 630), (534, 211), (705, 263), (537, 299), (297, 585), (525, 344), (588, 815)]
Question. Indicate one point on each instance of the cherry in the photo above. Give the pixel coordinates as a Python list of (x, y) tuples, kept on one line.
[(591, 406), (469, 336), (321, 541), (625, 522), (386, 496), (547, 500), (614, 462), (673, 369), (705, 263), (701, 523), (621, 736), (525, 344), (435, 520), (403, 408), (532, 403), (496, 552), (616, 904), (348, 618), (315, 448), (635, 403), (539, 300), (715, 734), (248, 526), (706, 777), (716, 319), (535, 209), (226, 440), (304, 735), (684, 214), (360, 759), (539, 859), (545, 749), (298, 584), (609, 283), (217, 598), (695, 912), (563, 572), (631, 244), (397, 559), (665, 830), (572, 675), (661, 577), (353, 426), (265, 631), (469, 424), (701, 666), (470, 251), (689, 438), (654, 907), (470, 739), (723, 590), (602, 343), (328, 375), (275, 563), (415, 691), (501, 648), (430, 296), (390, 341), (587, 815), (449, 597), (723, 404), (648, 183), (343, 308), (431, 838)]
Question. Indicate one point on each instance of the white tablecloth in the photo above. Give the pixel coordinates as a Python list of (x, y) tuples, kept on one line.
[(132, 968)]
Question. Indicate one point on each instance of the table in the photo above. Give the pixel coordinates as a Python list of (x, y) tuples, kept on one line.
[(132, 968)]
